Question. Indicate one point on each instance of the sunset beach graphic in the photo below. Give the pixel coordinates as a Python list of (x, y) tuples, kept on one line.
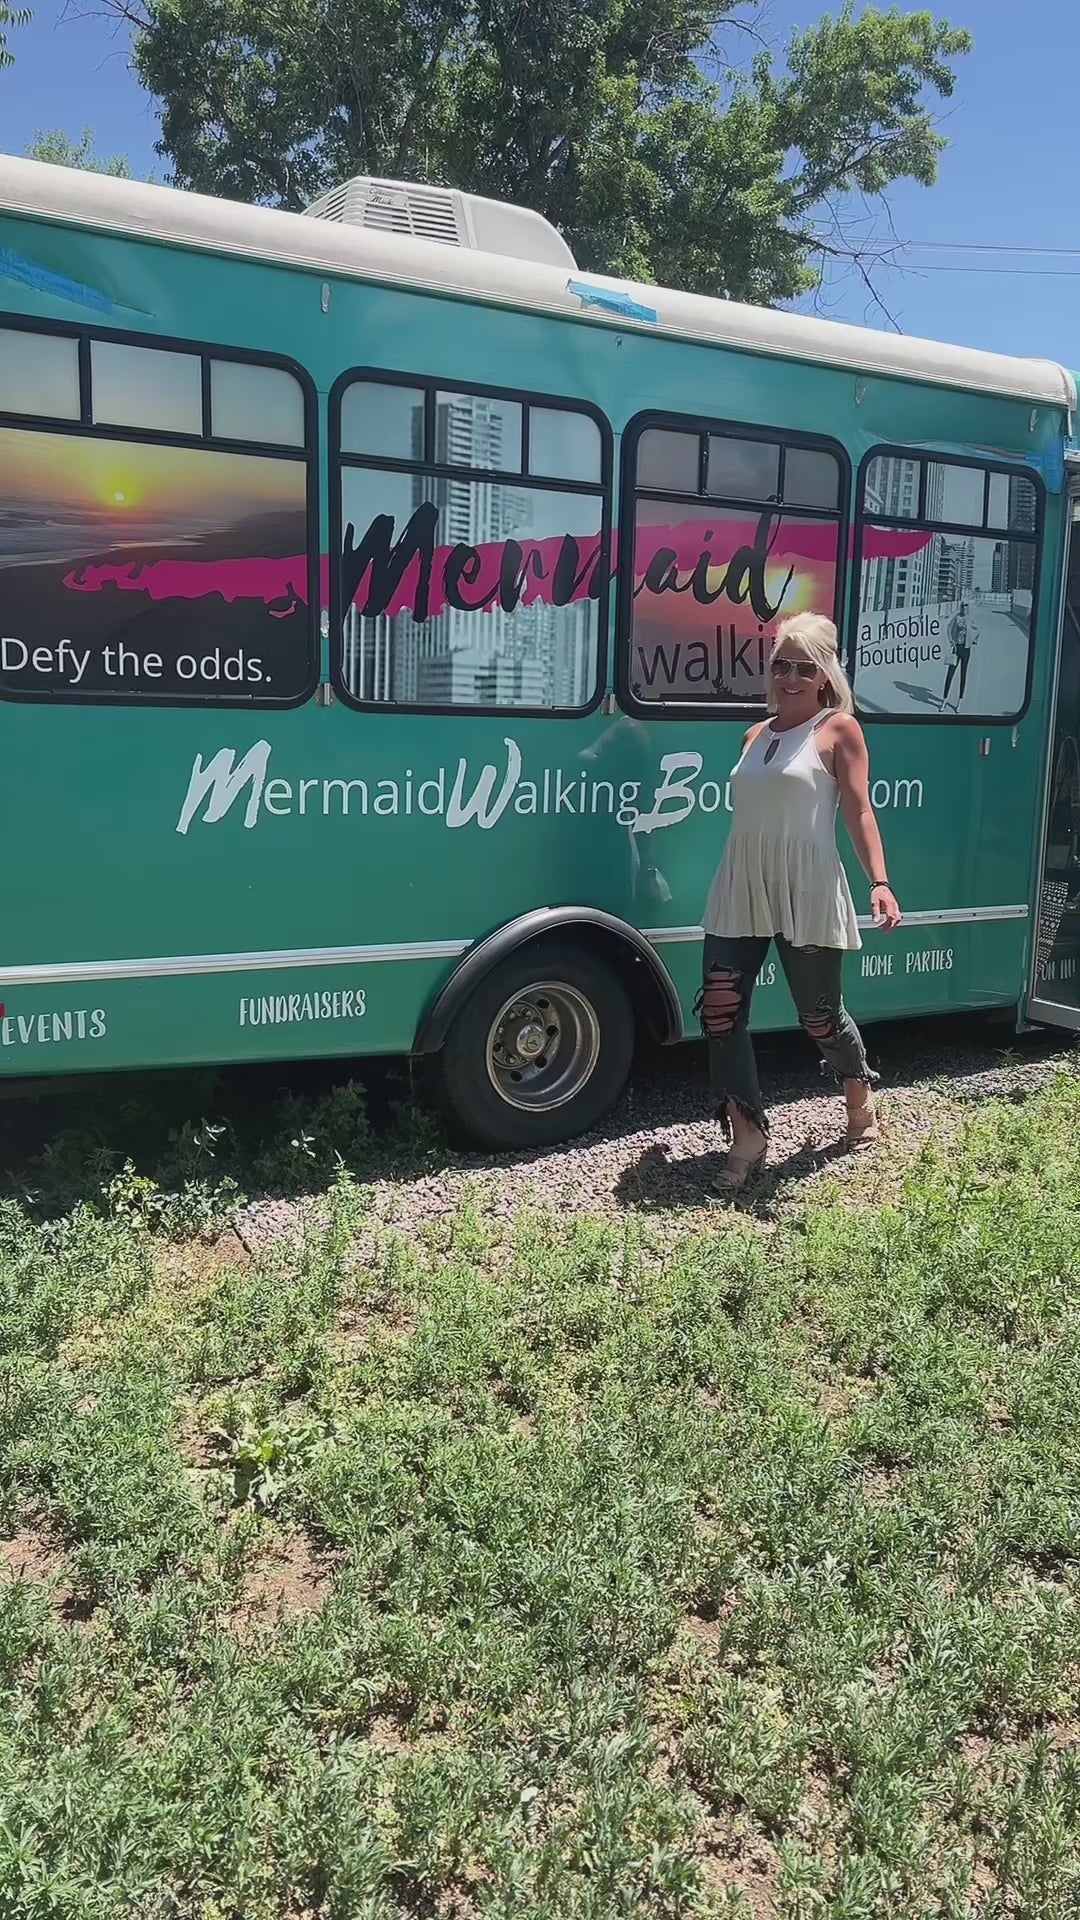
[(85, 521), (713, 645)]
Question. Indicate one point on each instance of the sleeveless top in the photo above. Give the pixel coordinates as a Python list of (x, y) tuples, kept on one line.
[(781, 871)]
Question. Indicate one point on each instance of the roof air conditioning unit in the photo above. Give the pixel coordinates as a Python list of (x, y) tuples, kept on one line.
[(444, 215)]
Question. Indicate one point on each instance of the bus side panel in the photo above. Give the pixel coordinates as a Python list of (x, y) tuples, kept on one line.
[(203, 859)]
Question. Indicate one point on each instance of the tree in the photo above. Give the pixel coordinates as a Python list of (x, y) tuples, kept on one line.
[(59, 151), (628, 123), (11, 17)]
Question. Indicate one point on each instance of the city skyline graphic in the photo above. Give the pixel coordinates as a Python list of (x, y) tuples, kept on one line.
[(538, 654), (960, 600)]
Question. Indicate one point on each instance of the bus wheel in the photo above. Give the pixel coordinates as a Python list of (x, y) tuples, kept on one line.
[(539, 1052)]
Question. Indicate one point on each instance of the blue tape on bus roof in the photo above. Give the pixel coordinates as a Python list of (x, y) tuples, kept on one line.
[(43, 280), (612, 301)]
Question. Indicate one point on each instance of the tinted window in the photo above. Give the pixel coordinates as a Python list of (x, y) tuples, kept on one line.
[(710, 580), (464, 591), (811, 478), (946, 608), (474, 430), (742, 469), (139, 561), (669, 461), (256, 403), (143, 387), (39, 373), (564, 446), (382, 420)]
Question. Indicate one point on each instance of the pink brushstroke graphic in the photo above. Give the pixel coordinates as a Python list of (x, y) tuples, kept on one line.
[(270, 581), (282, 585)]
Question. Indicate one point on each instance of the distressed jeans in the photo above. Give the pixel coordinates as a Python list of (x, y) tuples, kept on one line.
[(731, 967)]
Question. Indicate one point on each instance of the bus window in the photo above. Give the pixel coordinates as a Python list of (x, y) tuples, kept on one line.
[(249, 402), (741, 469), (387, 421), (471, 535), (948, 566), (157, 535), (725, 530), (145, 388), (564, 446), (39, 374)]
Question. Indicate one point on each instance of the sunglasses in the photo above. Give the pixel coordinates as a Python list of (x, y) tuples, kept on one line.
[(805, 669)]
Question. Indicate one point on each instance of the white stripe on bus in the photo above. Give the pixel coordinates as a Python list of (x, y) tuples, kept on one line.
[(277, 959), (936, 917)]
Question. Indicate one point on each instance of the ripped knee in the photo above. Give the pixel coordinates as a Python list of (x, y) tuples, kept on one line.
[(722, 1001), (823, 1025)]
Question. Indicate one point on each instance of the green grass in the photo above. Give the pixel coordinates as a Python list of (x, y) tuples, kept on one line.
[(544, 1573)]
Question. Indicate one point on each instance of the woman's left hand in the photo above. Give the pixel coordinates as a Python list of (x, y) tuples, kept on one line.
[(885, 908)]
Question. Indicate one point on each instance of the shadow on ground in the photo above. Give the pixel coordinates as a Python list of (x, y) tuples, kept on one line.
[(283, 1130)]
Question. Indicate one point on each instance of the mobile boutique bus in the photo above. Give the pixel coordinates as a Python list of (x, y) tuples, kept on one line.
[(382, 603)]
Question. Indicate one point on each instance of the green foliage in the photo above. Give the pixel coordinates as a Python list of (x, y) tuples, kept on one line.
[(634, 127), (692, 1578), (59, 151), (141, 1160), (11, 17)]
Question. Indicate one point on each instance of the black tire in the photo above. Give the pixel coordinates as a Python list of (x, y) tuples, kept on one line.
[(589, 1007)]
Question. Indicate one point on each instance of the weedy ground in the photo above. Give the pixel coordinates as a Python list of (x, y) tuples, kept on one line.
[(537, 1567)]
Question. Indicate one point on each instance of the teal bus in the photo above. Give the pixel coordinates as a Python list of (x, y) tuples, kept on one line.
[(382, 603)]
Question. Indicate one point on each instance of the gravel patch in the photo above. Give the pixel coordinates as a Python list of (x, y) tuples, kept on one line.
[(660, 1149)]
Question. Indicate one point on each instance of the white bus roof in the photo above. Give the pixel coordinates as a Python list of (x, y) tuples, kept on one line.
[(67, 195)]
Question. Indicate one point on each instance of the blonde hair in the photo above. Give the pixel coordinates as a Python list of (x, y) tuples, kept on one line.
[(815, 636)]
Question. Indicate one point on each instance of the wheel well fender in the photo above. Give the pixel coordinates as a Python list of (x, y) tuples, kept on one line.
[(632, 957)]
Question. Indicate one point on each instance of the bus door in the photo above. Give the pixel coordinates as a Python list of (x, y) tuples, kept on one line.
[(1055, 994)]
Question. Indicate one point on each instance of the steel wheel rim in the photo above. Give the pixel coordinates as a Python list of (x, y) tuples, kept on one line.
[(542, 1046)]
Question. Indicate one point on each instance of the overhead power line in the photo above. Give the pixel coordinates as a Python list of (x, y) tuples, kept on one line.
[(985, 246), (896, 253), (891, 244), (1037, 273)]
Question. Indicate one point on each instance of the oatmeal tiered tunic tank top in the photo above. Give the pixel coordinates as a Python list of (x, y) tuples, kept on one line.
[(781, 872)]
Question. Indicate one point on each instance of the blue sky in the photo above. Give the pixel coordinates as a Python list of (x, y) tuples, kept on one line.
[(1008, 178)]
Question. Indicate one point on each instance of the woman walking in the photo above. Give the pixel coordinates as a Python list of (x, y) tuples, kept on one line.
[(963, 634), (781, 879)]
